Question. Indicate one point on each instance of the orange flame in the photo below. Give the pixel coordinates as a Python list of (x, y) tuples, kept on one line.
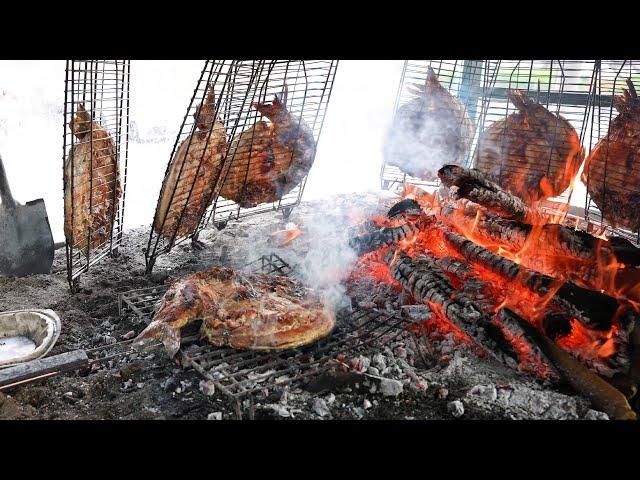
[(290, 234)]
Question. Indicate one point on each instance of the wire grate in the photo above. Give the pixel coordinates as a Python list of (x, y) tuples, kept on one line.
[(231, 87), (95, 155), (240, 374), (610, 79)]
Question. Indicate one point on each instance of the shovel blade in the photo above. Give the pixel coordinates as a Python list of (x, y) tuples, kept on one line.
[(26, 243)]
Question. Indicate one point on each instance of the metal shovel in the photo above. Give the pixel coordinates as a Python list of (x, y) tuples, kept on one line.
[(26, 243)]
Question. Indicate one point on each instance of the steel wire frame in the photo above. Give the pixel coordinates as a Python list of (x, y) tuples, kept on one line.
[(309, 84), (236, 85), (609, 81), (103, 87), (358, 331), (562, 86)]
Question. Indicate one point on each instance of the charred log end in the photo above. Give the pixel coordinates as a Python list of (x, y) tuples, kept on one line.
[(602, 394), (408, 205)]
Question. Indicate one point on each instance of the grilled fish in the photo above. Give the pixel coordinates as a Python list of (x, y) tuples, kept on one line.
[(612, 170), (533, 153), (431, 130), (269, 160), (91, 171), (190, 183)]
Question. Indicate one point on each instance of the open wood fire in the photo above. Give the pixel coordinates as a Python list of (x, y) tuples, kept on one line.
[(513, 283)]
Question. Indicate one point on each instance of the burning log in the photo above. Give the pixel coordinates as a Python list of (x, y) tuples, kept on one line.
[(475, 186), (384, 236), (407, 206), (602, 394), (556, 239), (593, 309), (534, 355), (459, 269), (428, 283)]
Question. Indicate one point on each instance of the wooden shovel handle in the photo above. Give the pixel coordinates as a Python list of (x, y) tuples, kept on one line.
[(5, 191)]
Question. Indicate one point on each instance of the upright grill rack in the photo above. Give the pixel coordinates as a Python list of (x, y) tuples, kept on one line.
[(309, 84), (562, 86), (102, 88), (468, 80), (236, 85), (609, 80), (239, 375)]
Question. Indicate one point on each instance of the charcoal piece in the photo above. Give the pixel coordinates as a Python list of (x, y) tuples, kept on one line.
[(556, 325), (408, 206), (475, 186)]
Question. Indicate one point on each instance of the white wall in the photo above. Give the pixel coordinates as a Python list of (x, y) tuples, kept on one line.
[(31, 116)]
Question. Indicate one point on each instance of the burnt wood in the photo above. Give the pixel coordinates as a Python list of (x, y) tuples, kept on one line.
[(512, 322), (43, 366), (603, 396), (384, 236), (408, 205), (426, 282)]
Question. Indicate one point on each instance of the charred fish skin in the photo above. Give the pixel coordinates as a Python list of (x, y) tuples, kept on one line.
[(612, 170), (429, 131), (91, 170)]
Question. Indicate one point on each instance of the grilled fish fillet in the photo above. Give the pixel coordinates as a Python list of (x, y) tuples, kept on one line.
[(612, 170), (269, 160), (431, 130), (196, 163), (254, 312), (91, 171), (533, 153)]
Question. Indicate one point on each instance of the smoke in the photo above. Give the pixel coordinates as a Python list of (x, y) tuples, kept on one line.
[(329, 258)]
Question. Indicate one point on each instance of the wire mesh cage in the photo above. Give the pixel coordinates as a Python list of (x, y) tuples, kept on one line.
[(464, 80), (611, 173), (95, 155), (502, 100), (224, 153), (306, 86)]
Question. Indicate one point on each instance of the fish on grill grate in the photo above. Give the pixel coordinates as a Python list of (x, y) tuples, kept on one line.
[(243, 311), (429, 131), (189, 185), (270, 159), (612, 170), (532, 153), (91, 184)]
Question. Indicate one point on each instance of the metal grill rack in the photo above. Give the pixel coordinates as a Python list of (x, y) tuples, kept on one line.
[(240, 374), (309, 84), (101, 87), (236, 85), (562, 86), (609, 80), (468, 80)]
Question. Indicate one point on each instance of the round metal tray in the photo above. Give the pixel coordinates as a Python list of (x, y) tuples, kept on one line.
[(20, 327)]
